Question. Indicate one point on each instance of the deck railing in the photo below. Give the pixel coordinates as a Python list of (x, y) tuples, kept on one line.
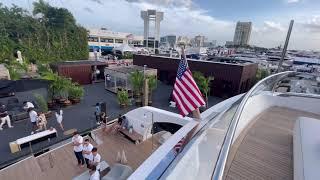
[(267, 84)]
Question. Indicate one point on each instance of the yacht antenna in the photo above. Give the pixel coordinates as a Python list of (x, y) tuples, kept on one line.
[(284, 51)]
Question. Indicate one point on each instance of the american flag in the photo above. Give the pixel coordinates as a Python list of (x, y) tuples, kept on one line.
[(186, 93)]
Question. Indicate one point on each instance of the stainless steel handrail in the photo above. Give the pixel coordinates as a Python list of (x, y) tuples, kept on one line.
[(224, 152)]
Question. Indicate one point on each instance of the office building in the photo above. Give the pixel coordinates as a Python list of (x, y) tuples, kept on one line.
[(198, 41), (242, 34), (151, 35), (169, 41)]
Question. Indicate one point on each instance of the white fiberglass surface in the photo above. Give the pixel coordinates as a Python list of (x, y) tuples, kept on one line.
[(199, 160)]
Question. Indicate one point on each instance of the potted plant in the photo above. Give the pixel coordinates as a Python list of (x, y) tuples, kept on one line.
[(75, 93), (123, 98), (152, 83), (203, 84), (136, 79), (43, 106)]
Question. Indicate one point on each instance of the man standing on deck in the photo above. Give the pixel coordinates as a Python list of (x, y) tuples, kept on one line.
[(77, 141), (33, 115), (87, 154)]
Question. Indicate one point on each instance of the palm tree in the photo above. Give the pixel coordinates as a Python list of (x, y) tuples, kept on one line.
[(203, 83), (152, 83), (136, 79)]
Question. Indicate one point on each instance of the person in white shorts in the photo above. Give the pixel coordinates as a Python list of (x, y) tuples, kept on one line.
[(59, 118), (33, 118)]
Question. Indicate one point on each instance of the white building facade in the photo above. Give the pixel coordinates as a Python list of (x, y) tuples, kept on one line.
[(103, 40)]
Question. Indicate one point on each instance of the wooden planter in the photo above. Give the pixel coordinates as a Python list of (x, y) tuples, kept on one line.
[(66, 103), (51, 104), (48, 114), (122, 106), (75, 100)]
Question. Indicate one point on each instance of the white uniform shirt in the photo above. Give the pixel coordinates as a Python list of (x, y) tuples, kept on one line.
[(79, 139), (97, 159), (88, 148), (95, 176), (33, 116)]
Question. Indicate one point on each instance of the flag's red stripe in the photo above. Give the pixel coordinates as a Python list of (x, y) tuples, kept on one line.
[(188, 98), (182, 100), (196, 88), (178, 105), (190, 79), (192, 92), (179, 102)]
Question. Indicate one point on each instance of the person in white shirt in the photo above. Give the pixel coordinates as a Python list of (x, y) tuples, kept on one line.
[(87, 154), (33, 115), (59, 118), (77, 142), (94, 174), (96, 158)]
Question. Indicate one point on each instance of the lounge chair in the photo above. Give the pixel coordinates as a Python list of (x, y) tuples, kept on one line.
[(118, 172)]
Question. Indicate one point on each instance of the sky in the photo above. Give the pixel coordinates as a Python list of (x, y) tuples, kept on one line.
[(215, 19)]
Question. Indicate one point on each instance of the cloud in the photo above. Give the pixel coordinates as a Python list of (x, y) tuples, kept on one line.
[(273, 26), (166, 3), (313, 25), (269, 27), (293, 1), (97, 1), (88, 10)]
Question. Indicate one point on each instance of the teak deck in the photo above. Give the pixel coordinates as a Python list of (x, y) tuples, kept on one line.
[(266, 150), (61, 163)]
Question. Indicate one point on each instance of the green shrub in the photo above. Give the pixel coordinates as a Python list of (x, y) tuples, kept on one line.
[(75, 91), (41, 102), (123, 97)]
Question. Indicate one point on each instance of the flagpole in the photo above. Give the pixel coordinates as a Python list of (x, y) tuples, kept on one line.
[(195, 113)]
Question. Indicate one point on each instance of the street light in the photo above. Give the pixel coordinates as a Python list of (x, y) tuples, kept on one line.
[(145, 116)]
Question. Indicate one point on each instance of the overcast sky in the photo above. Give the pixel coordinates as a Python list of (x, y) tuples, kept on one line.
[(215, 19)]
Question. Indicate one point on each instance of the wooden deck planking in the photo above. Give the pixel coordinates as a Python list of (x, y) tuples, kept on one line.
[(63, 164), (266, 150)]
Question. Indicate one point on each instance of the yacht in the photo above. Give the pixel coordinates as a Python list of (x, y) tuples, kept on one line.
[(270, 132)]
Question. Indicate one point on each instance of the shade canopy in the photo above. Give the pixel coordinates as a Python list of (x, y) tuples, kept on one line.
[(124, 48)]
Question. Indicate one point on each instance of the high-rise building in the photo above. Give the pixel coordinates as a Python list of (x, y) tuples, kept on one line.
[(169, 41), (198, 41), (151, 41), (242, 33)]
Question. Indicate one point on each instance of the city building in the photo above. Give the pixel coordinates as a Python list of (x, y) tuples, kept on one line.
[(229, 43), (169, 41), (103, 40), (230, 77), (242, 34), (183, 40), (210, 44), (198, 41), (151, 36)]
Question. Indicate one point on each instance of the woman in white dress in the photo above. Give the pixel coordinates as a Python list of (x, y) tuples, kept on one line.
[(59, 118)]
